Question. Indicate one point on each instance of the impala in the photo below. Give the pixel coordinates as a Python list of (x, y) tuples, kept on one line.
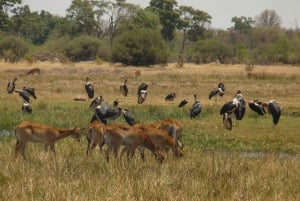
[(131, 138), (173, 127), (161, 140), (28, 131), (95, 135)]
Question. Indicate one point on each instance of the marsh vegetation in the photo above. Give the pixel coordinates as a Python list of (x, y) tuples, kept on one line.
[(253, 161)]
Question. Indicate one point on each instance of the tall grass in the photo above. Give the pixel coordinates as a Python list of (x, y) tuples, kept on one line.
[(252, 162)]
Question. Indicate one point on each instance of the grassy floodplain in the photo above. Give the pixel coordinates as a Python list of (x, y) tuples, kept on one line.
[(252, 162)]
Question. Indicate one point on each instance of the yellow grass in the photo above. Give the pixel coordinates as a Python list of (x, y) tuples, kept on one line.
[(210, 168)]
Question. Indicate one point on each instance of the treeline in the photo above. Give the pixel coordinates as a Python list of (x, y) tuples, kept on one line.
[(164, 31)]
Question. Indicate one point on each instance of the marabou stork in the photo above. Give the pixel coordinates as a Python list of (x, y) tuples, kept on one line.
[(26, 108), (24, 94), (105, 113), (236, 106), (116, 103), (142, 96), (129, 117), (123, 87), (183, 103), (274, 109), (97, 101), (196, 108), (170, 97), (257, 107), (218, 91), (11, 85), (89, 88), (31, 91), (143, 86)]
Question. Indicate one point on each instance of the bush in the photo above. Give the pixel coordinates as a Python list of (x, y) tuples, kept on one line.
[(140, 47), (83, 48), (207, 51), (13, 48)]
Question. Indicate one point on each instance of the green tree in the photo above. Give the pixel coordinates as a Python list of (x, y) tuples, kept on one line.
[(193, 23), (242, 24), (142, 19), (4, 9), (32, 25), (82, 48), (13, 49), (168, 15), (140, 47), (81, 14)]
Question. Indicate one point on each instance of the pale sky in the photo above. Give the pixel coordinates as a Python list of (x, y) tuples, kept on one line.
[(221, 10)]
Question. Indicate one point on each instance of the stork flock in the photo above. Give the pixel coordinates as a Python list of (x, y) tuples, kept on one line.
[(102, 111), (237, 106), (25, 93)]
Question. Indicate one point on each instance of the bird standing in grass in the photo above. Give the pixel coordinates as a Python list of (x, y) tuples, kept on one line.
[(257, 107), (123, 87), (89, 88), (219, 91), (128, 116), (236, 106), (274, 109), (26, 108), (11, 86), (183, 103), (196, 108), (170, 97)]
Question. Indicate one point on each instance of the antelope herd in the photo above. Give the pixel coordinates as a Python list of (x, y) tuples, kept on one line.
[(158, 137)]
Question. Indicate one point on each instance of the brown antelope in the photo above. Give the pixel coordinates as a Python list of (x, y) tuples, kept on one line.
[(95, 135), (161, 140), (33, 71), (131, 137), (28, 131), (173, 127)]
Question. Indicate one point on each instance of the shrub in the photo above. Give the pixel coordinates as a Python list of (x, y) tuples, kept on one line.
[(13, 48), (140, 47), (206, 51), (82, 48)]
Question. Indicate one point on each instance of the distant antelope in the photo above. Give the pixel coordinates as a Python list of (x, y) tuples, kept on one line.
[(33, 71), (28, 131)]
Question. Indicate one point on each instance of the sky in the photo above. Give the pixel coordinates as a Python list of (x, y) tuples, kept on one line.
[(222, 11)]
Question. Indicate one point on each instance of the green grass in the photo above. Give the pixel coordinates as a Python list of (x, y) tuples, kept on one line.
[(253, 161)]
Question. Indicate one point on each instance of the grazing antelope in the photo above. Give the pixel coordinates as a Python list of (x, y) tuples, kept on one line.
[(131, 137), (11, 86), (123, 88), (89, 88), (173, 127), (28, 131), (95, 135), (33, 71), (161, 139)]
